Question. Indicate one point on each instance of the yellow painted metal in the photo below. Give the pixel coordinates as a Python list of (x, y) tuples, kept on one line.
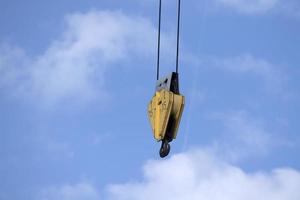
[(177, 111), (164, 112)]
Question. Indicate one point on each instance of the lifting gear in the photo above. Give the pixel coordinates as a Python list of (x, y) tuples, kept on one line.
[(166, 106)]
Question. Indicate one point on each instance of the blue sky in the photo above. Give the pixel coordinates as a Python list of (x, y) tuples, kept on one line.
[(76, 78)]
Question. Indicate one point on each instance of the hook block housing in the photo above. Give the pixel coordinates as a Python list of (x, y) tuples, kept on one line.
[(165, 108)]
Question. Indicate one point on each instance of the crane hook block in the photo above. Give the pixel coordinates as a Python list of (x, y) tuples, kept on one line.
[(165, 108)]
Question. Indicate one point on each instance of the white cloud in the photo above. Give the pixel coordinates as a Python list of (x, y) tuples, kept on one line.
[(290, 8), (243, 136), (258, 7), (13, 63), (199, 175), (249, 6), (272, 75), (193, 175), (247, 64), (59, 149), (81, 191), (73, 67)]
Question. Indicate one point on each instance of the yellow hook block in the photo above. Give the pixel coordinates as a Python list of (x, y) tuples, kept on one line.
[(164, 112)]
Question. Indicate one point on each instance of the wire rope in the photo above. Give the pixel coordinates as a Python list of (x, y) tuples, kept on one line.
[(159, 38), (178, 34), (158, 41)]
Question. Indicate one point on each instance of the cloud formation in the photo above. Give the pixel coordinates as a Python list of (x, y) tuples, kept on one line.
[(243, 136), (249, 6), (258, 7), (81, 191), (271, 74), (199, 175), (193, 175), (73, 67)]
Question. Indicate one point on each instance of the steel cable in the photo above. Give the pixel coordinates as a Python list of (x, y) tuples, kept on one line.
[(158, 38)]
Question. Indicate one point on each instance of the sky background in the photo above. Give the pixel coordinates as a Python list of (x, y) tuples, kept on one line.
[(76, 78)]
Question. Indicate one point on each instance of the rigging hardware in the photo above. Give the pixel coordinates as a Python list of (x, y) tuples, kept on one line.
[(166, 106)]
